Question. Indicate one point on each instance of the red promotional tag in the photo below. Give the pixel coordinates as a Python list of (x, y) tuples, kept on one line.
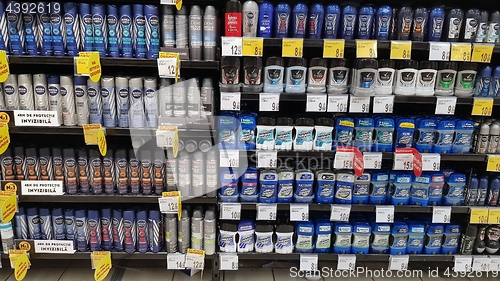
[(417, 163), (233, 24), (359, 162)]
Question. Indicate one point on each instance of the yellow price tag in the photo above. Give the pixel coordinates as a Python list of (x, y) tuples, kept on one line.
[(4, 67), (400, 50), (482, 52), (292, 47), (91, 133), (101, 261), (4, 138), (8, 201), (482, 106), (253, 47), (478, 215), (20, 262), (101, 142), (460, 52), (163, 55), (493, 164), (94, 66), (196, 252), (333, 48), (81, 65), (494, 216), (179, 204), (366, 48)]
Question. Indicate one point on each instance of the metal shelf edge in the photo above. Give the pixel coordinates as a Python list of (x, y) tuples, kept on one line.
[(82, 198)]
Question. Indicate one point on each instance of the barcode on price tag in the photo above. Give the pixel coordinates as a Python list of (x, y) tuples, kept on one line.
[(431, 161), (343, 160), (195, 259), (384, 214), (316, 103), (176, 261), (439, 51), (229, 158), (399, 262), (299, 212), (337, 103), (462, 263), (340, 212), (308, 262), (230, 211), (383, 104), (359, 105), (169, 204), (266, 211), (228, 261), (346, 262), (269, 102), (403, 161), (232, 46), (481, 263), (230, 101), (446, 105), (267, 159), (441, 214), (372, 160)]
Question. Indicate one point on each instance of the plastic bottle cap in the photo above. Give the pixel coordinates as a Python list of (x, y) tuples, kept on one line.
[(252, 61), (408, 64), (195, 10), (233, 6), (284, 228), (234, 61), (467, 66), (428, 65), (317, 62), (271, 61), (209, 10), (448, 65), (366, 63), (323, 121), (303, 121), (266, 121), (284, 121), (297, 62), (495, 16), (264, 228), (386, 64), (341, 62)]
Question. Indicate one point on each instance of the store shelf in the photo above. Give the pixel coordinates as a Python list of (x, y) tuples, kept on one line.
[(77, 130), (107, 199), (334, 257), (114, 256)]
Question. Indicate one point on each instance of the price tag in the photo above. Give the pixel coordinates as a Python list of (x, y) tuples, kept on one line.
[(91, 133), (431, 161), (269, 102), (479, 215), (337, 103), (482, 52), (229, 158), (441, 214), (346, 262), (266, 211), (230, 211), (373, 160), (383, 104), (101, 262), (445, 105), (232, 46), (482, 106), (439, 51), (384, 214), (167, 67), (4, 138), (253, 46), (168, 136), (316, 103), (343, 160), (403, 161), (176, 261), (8, 203), (292, 47), (169, 204), (399, 262), (359, 105), (195, 259), (267, 159), (333, 48), (230, 101), (494, 263), (308, 262), (340, 212), (4, 66), (460, 51), (299, 212), (494, 215), (462, 263), (480, 263), (228, 261), (493, 163), (400, 50), (366, 49)]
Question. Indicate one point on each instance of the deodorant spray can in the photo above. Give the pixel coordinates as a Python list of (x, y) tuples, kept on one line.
[(137, 115), (19, 163), (122, 173), (139, 31), (25, 90), (2, 101), (146, 172), (70, 226), (112, 23), (142, 231), (45, 164), (45, 29), (171, 233), (108, 170), (129, 229), (118, 231), (209, 232), (46, 224), (7, 165), (155, 237), (66, 98), (122, 101), (21, 224), (95, 171), (95, 101), (32, 164), (209, 33), (159, 171), (81, 100), (58, 29), (153, 31), (15, 27), (10, 92), (94, 225), (166, 93), (41, 92), (4, 30), (99, 27), (58, 164), (125, 31), (108, 101), (151, 102), (87, 38), (195, 33), (168, 26), (83, 170), (181, 28), (31, 29), (135, 172), (72, 28), (82, 230), (54, 95), (70, 171), (106, 229), (33, 223), (58, 224)]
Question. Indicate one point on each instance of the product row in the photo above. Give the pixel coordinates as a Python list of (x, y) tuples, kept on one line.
[(124, 102), (131, 230), (344, 187), (361, 236), (121, 171), (366, 22), (368, 133), (367, 77)]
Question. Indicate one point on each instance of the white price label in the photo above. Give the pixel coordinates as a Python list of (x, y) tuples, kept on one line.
[(372, 160), (230, 101), (384, 214), (167, 67), (229, 158), (337, 103), (308, 262), (441, 214), (343, 160), (269, 102), (399, 262), (431, 161), (439, 51), (346, 262), (195, 261), (481, 263), (165, 138), (37, 187), (176, 261), (230, 211), (462, 263), (445, 105), (403, 161), (383, 104), (169, 204), (266, 212), (232, 46), (340, 212), (316, 103), (494, 263), (299, 212), (359, 105), (228, 261), (54, 246), (267, 159)]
